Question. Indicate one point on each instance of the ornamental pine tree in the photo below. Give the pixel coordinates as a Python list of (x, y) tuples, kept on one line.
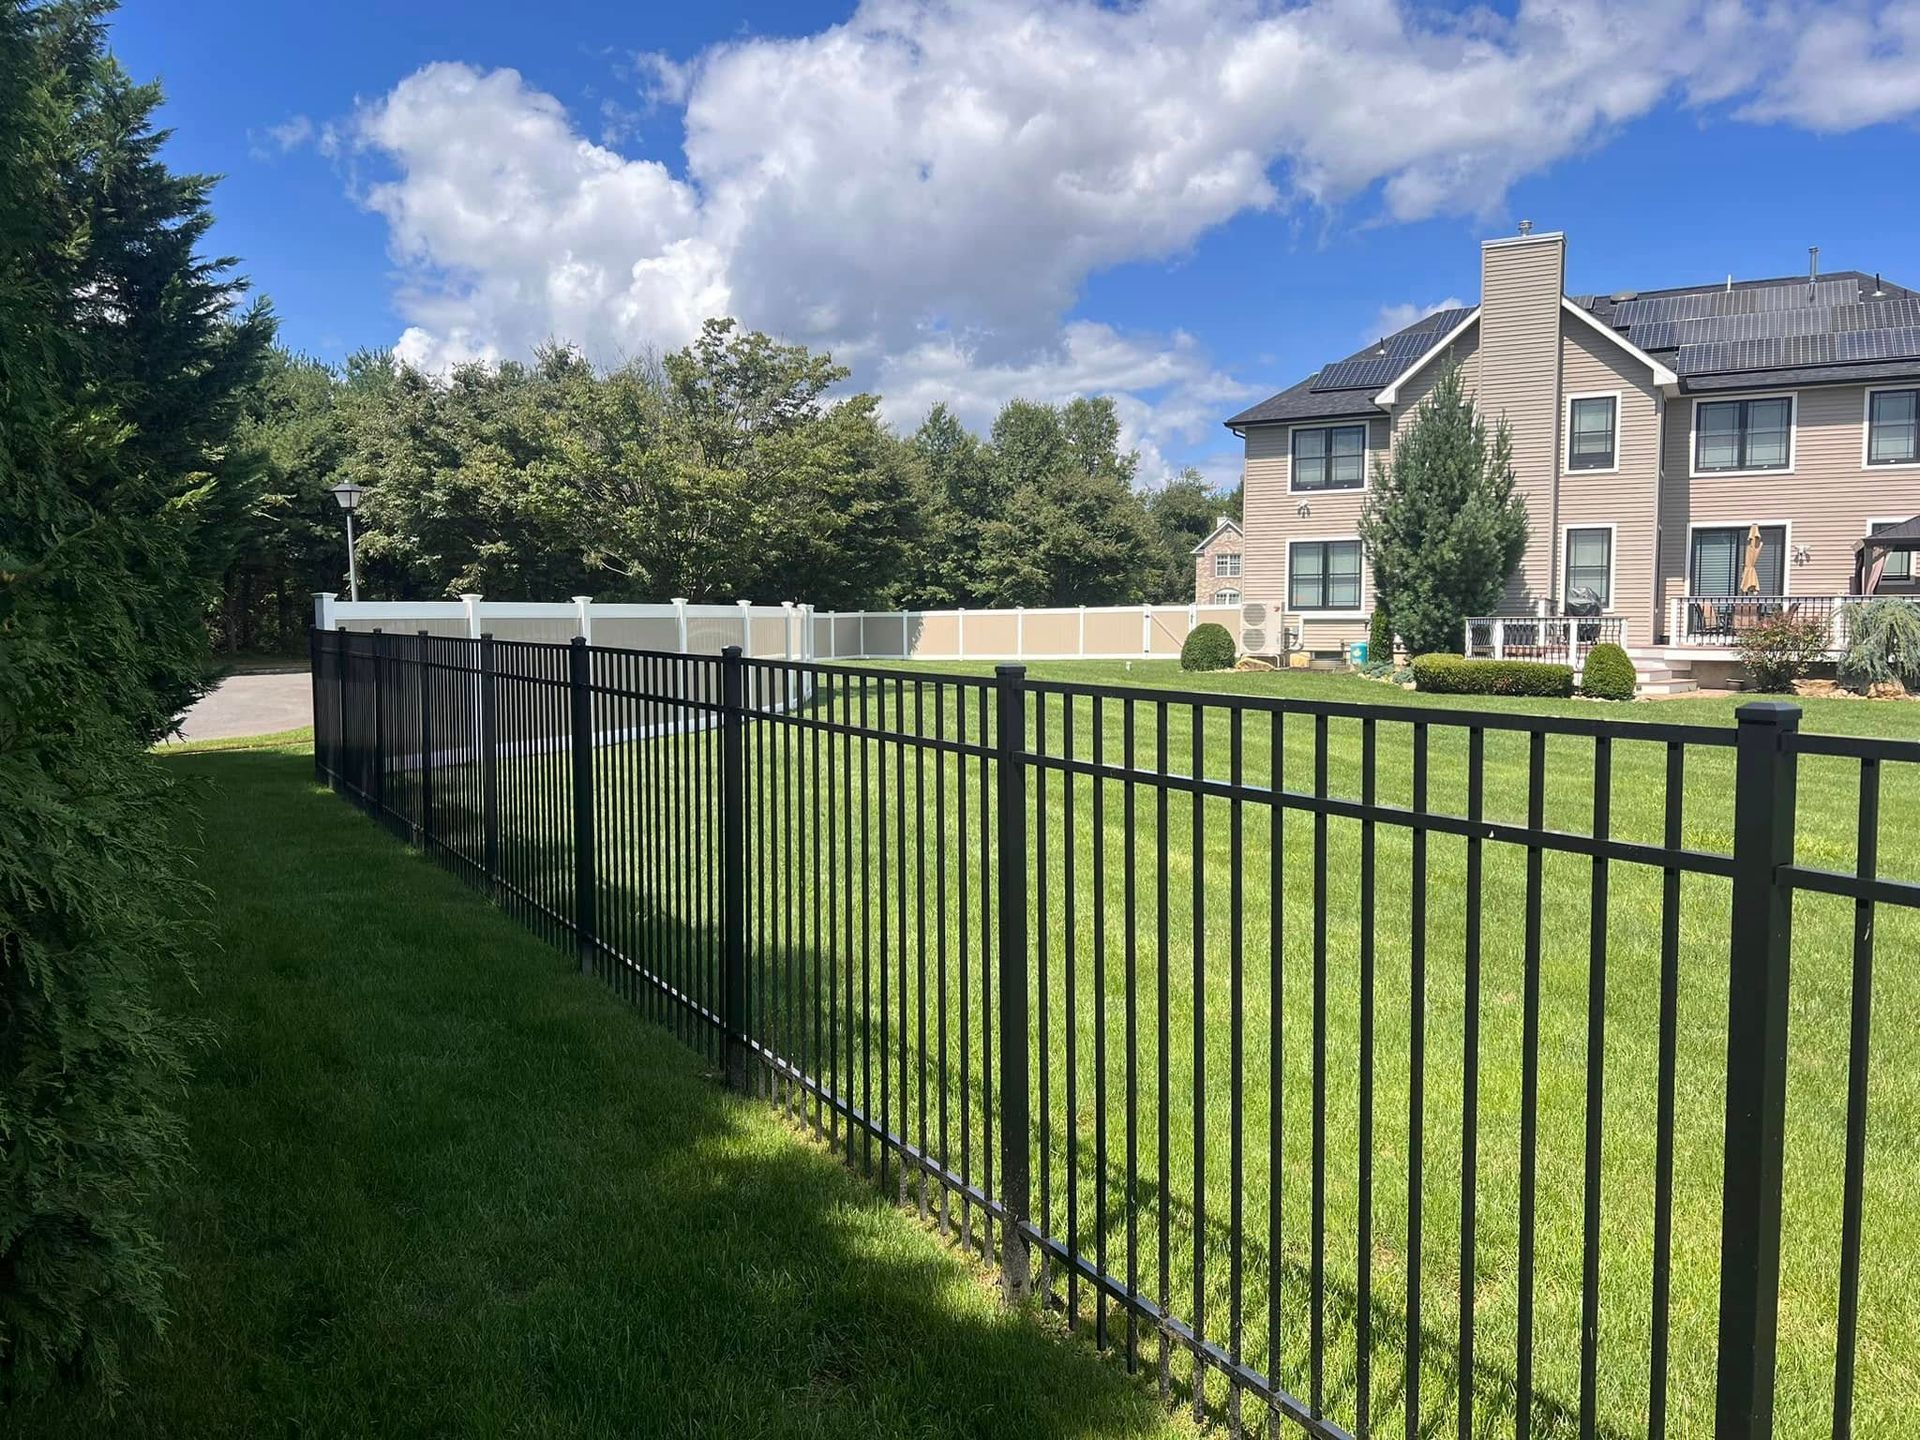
[(1443, 526)]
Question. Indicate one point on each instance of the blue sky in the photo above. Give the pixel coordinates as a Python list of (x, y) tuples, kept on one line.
[(1186, 203)]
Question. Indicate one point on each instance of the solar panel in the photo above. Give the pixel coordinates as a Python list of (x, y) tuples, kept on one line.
[(1411, 343), (1717, 356), (1359, 374), (1898, 343), (1876, 314)]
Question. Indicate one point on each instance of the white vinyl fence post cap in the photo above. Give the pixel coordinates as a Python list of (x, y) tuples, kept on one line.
[(472, 602), (323, 609), (583, 605)]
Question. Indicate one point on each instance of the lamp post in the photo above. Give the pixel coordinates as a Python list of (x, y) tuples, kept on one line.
[(348, 494)]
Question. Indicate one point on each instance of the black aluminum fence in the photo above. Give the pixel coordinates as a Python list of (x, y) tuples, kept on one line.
[(1355, 1068)]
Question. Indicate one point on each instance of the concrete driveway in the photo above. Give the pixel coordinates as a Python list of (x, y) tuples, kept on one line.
[(251, 705)]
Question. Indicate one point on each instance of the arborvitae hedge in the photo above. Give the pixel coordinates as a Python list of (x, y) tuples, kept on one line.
[(120, 359)]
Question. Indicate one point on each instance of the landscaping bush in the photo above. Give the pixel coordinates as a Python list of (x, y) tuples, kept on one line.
[(1782, 649), (1380, 635), (1883, 645), (1608, 674), (1456, 675), (1208, 647)]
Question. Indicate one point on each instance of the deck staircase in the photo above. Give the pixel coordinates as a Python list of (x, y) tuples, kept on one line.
[(1659, 673)]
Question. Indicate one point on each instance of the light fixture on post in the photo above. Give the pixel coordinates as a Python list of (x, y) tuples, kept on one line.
[(348, 494)]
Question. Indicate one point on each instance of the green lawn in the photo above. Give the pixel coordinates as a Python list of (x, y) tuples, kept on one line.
[(443, 1185), (807, 950)]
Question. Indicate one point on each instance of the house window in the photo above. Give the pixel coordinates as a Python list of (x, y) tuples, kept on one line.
[(1226, 597), (1743, 435), (1331, 458), (1591, 428), (1720, 560), (1323, 575), (1899, 564), (1590, 564), (1226, 566), (1893, 428)]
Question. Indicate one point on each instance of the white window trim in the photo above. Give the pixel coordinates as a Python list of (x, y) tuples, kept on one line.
[(1694, 472), (1612, 527), (1286, 580), (1220, 560), (1221, 597), (1786, 559), (1873, 520), (1566, 429), (1366, 458), (1866, 431)]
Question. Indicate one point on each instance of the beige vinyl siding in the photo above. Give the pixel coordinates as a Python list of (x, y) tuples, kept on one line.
[(1626, 497), (1825, 500), (1521, 288), (1273, 519)]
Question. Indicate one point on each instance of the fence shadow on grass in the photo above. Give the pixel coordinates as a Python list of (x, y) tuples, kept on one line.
[(440, 1185), (1494, 1386)]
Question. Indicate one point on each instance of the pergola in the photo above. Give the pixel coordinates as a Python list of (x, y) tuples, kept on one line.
[(1870, 554)]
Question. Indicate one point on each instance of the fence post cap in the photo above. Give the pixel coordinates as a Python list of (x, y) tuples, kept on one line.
[(678, 600), (1010, 672), (1781, 713), (730, 652), (576, 640), (470, 595), (326, 594), (577, 599)]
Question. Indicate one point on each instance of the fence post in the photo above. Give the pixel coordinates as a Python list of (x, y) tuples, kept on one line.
[(424, 835), (680, 620), (313, 677), (580, 698), (474, 624), (340, 709), (1011, 866), (960, 634), (746, 626), (323, 609), (1082, 643), (489, 771), (583, 612), (733, 863), (379, 729), (1146, 629), (1761, 945)]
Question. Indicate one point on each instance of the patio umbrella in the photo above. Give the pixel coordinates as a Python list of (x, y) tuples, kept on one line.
[(1750, 572)]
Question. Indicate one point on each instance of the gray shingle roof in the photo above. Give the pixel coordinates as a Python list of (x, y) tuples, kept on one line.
[(1847, 326)]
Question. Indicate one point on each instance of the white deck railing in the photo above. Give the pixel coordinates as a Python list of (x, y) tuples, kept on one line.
[(1559, 639)]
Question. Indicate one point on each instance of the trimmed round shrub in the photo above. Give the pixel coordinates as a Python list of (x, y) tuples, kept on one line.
[(1457, 675), (1608, 674), (1208, 647)]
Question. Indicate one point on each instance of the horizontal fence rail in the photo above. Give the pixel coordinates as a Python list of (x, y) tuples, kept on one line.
[(1354, 1069)]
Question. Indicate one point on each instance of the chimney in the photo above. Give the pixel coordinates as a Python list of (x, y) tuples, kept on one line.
[(1522, 285)]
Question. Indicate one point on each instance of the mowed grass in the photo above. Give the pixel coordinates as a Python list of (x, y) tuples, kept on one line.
[(444, 1185), (847, 845)]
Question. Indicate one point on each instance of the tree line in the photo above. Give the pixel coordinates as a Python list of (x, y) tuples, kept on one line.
[(724, 470)]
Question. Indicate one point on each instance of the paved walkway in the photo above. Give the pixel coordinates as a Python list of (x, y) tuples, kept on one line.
[(251, 705)]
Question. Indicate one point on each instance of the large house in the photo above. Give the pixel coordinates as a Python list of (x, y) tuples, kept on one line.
[(1686, 454)]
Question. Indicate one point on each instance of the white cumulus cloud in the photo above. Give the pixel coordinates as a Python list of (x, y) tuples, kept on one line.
[(926, 187)]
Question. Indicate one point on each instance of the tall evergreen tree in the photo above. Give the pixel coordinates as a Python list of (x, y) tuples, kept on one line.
[(1443, 525), (122, 365)]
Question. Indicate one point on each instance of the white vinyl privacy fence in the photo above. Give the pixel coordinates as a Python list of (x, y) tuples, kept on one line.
[(796, 631)]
